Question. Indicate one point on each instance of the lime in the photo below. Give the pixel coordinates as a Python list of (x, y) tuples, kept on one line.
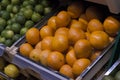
[(8, 27), (16, 37), (13, 20), (108, 77), (25, 3), (23, 30), (3, 33), (28, 13), (1, 28), (36, 17), (8, 34), (1, 12), (15, 9), (6, 15), (9, 8), (15, 2), (16, 27), (29, 24), (45, 3), (22, 9), (39, 8), (11, 70), (117, 76), (29, 7), (47, 10), (2, 40), (2, 63), (2, 22), (4, 3), (12, 15), (32, 2), (20, 19), (8, 42)]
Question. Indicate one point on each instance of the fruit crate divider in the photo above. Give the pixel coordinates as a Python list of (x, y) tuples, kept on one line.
[(116, 52), (2, 49)]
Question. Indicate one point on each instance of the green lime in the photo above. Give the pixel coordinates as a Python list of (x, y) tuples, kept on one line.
[(45, 3), (20, 19), (15, 2), (32, 2), (2, 22), (8, 27), (39, 8), (6, 15), (25, 3), (15, 9), (8, 42), (4, 3), (11, 70), (22, 9), (12, 15), (1, 28), (13, 20), (23, 30), (16, 27), (0, 7), (117, 76), (47, 10), (16, 37), (9, 8), (2, 40), (36, 17), (29, 7), (8, 34), (29, 24), (28, 13), (3, 33)]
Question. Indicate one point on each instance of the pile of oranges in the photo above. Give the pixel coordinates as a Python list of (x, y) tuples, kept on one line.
[(71, 40)]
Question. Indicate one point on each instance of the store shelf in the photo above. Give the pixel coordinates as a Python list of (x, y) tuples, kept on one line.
[(2, 49)]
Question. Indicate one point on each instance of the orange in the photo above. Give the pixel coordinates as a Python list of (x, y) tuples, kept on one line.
[(60, 43), (75, 34), (83, 48), (34, 54), (46, 43), (78, 25), (62, 30), (70, 57), (99, 39), (93, 12), (46, 31), (25, 49), (80, 65), (75, 9), (67, 71), (111, 25), (95, 25), (95, 55), (55, 60), (33, 36), (43, 56), (87, 35), (63, 19), (38, 45), (52, 22)]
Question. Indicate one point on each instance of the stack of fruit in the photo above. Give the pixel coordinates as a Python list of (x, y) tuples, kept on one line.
[(71, 40), (17, 16)]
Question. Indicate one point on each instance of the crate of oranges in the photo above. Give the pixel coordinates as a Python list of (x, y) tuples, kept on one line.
[(70, 43)]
